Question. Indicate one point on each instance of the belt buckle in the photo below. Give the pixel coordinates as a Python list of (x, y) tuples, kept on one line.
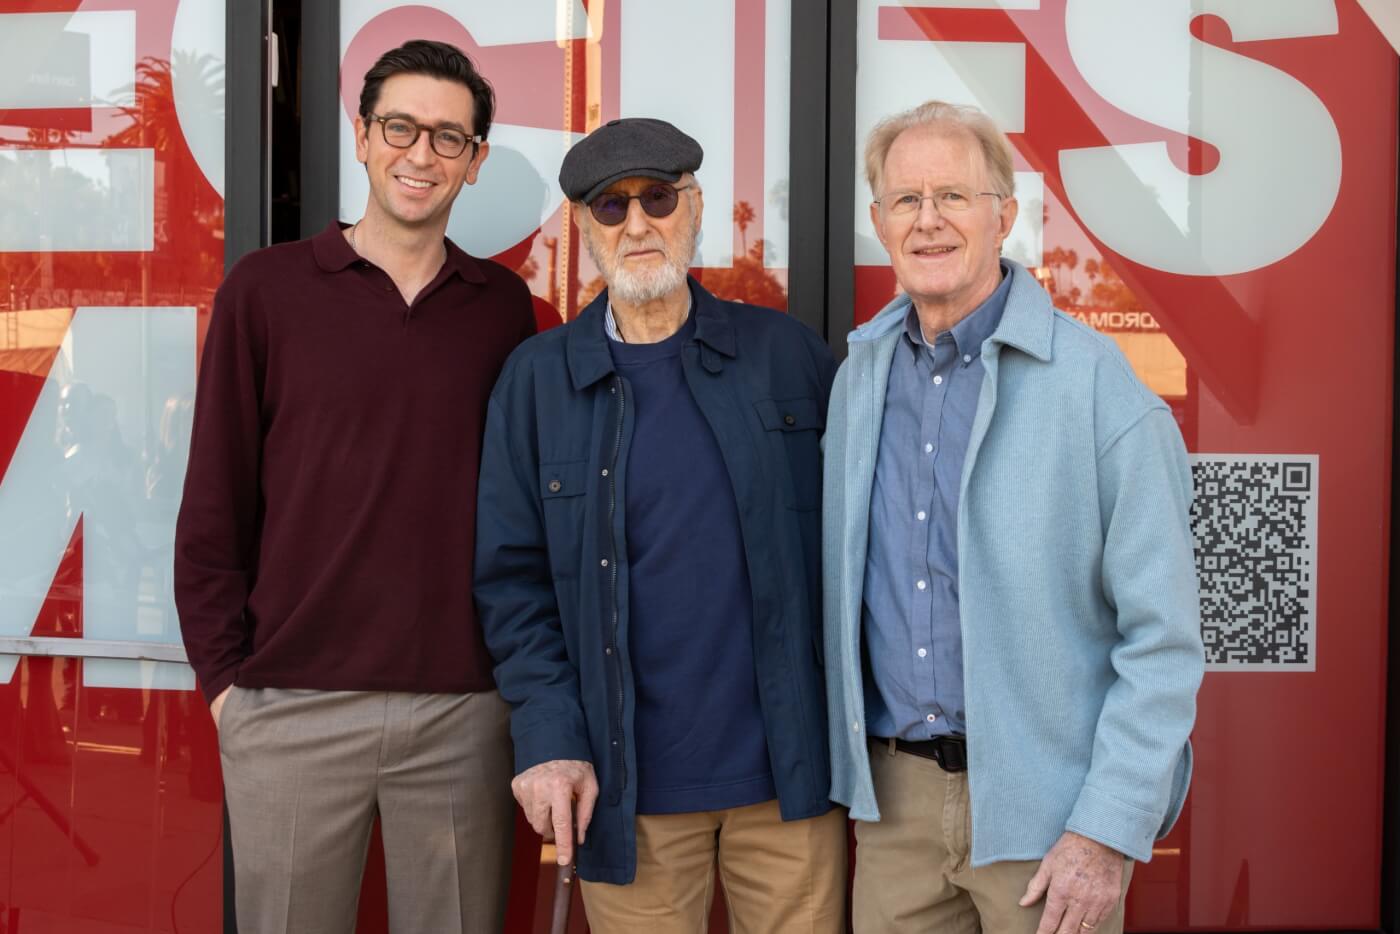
[(950, 753)]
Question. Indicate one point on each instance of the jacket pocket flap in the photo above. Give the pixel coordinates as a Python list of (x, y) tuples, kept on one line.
[(565, 479), (789, 414)]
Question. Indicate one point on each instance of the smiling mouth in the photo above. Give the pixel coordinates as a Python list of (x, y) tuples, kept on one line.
[(935, 251), (414, 182)]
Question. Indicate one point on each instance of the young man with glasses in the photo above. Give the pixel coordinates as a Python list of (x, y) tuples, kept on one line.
[(647, 572), (1012, 630), (328, 517)]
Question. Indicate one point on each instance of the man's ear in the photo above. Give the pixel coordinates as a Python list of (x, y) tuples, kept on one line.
[(1010, 208), (361, 139), (483, 150), (879, 228)]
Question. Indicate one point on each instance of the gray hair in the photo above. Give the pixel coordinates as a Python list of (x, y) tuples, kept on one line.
[(996, 149)]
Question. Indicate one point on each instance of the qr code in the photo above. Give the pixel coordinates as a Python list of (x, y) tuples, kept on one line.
[(1254, 517)]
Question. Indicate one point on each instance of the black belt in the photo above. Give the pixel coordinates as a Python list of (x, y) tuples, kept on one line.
[(950, 752)]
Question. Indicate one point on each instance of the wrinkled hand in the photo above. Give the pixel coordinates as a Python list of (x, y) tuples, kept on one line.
[(1084, 879), (547, 792), (217, 705)]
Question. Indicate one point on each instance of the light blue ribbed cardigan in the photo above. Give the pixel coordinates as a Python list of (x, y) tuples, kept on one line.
[(1077, 586)]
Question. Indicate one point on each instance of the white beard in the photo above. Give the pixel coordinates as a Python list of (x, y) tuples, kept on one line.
[(641, 286)]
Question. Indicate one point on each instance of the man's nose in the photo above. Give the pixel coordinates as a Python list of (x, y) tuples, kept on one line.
[(421, 152), (637, 223), (928, 217)]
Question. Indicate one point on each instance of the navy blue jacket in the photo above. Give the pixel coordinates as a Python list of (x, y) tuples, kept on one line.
[(551, 559)]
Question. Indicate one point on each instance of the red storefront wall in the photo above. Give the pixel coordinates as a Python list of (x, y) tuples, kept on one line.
[(109, 788)]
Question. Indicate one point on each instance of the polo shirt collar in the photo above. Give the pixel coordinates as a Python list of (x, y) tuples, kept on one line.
[(333, 254)]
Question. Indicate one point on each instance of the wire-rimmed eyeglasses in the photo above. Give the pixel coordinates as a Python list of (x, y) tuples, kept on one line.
[(952, 199)]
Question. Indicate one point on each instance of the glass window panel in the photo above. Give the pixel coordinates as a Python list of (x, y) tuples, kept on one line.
[(719, 71), (561, 70), (111, 247), (1214, 188)]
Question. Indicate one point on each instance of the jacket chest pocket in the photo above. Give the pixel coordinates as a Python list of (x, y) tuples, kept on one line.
[(795, 427), (562, 486)]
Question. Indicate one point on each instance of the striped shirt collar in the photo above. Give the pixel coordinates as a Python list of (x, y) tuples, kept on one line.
[(610, 323)]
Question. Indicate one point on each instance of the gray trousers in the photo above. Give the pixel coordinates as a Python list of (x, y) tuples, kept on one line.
[(305, 774)]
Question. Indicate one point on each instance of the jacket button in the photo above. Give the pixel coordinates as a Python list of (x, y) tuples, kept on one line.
[(605, 562), (555, 486), (607, 651), (789, 420)]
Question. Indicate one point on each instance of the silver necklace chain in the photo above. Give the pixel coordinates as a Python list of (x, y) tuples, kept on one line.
[(353, 246)]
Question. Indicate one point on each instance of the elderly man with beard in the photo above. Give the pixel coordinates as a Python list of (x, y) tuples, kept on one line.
[(647, 572)]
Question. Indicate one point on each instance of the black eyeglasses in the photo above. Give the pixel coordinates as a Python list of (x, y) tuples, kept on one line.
[(402, 133), (658, 200)]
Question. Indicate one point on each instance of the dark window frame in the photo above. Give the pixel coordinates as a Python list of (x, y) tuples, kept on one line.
[(840, 319), (1390, 838), (245, 120), (320, 108), (808, 91)]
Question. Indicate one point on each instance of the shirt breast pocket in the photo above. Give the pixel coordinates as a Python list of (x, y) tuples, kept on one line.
[(562, 486), (796, 425)]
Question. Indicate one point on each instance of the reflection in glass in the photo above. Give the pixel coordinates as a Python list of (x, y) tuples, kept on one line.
[(111, 246)]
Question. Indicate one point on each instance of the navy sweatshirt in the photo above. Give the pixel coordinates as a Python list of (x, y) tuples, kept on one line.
[(700, 742)]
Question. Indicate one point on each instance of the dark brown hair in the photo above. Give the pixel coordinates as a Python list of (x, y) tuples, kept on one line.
[(435, 60)]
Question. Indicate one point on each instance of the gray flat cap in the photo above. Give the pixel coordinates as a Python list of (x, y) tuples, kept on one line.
[(623, 148)]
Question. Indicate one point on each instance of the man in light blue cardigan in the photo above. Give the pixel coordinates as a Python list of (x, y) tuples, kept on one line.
[(1012, 634)]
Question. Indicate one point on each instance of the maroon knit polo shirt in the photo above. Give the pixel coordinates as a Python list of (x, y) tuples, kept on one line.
[(326, 535)]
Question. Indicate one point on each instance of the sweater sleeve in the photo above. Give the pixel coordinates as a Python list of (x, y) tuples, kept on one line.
[(1149, 578), (515, 598), (215, 533)]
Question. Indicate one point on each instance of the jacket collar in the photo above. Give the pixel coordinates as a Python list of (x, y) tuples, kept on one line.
[(587, 344), (333, 254), (1027, 323)]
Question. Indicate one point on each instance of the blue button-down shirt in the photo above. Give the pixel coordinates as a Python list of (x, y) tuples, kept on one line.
[(910, 613)]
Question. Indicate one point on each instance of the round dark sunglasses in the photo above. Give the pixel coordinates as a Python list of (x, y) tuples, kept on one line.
[(658, 200)]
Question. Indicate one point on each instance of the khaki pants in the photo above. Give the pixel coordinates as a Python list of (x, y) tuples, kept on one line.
[(305, 774), (778, 876), (912, 866)]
